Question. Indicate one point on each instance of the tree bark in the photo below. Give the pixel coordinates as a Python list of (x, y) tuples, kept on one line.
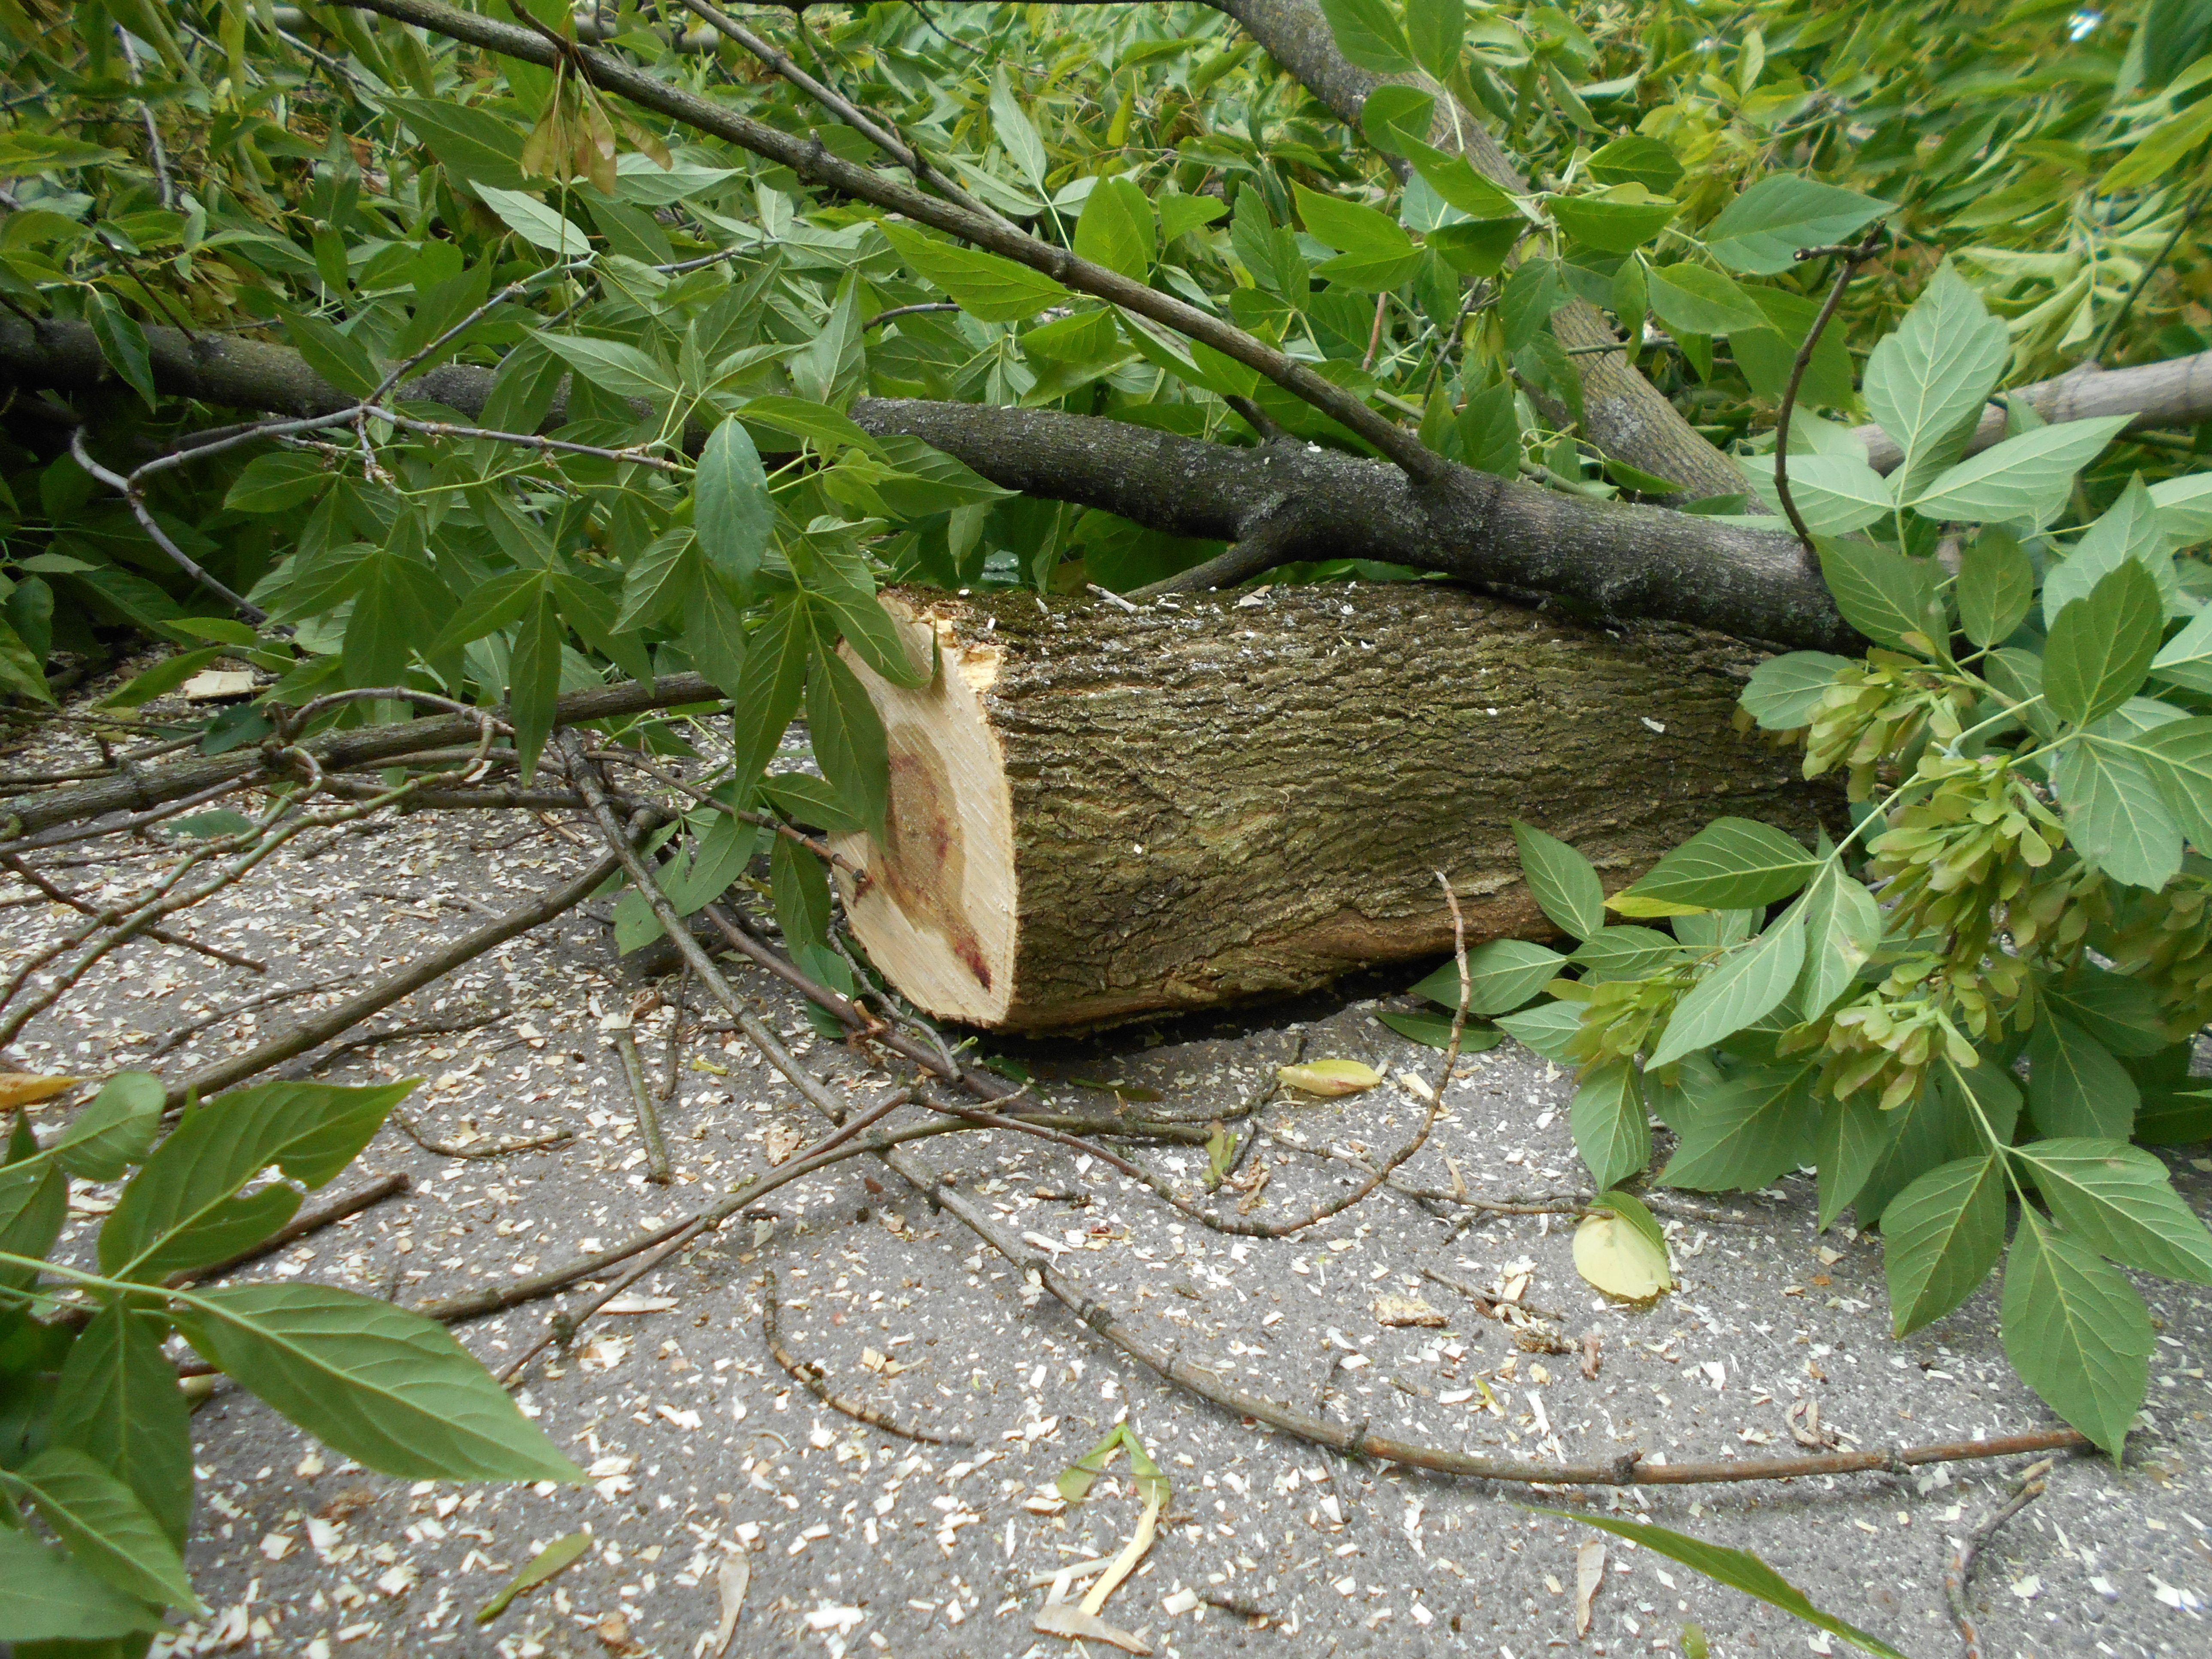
[(1098, 814)]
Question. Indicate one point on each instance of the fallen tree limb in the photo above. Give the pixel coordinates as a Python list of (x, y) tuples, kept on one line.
[(154, 787), (1098, 814), (1629, 1470)]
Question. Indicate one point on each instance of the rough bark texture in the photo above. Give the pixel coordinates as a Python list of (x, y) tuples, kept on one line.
[(1099, 815)]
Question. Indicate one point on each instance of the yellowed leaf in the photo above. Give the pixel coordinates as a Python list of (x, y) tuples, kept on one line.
[(28, 1088), (1620, 1261), (1330, 1077)]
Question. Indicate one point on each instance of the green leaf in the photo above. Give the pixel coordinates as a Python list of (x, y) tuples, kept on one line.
[(1997, 585), (1852, 1134), (819, 424), (801, 891), (614, 366), (1434, 1030), (498, 603), (1455, 180), (44, 1596), (1835, 493), (1739, 1570), (1396, 118), (985, 286), (1436, 30), (117, 1400), (732, 512), (2175, 34), (2100, 648), (1692, 299), (1784, 690), (105, 1526), (1757, 1126), (1620, 222), (122, 343), (2129, 529), (1730, 864), (2119, 1200), (2075, 1331), (1369, 35), (1883, 593), (1564, 883), (23, 668), (1375, 253), (1926, 382), (1940, 1236), (810, 802), (876, 638), (1502, 976), (1015, 133), (271, 483), (34, 1206), (1762, 229), (2075, 1087), (1635, 159), (848, 739), (1843, 929), (535, 1571), (1750, 983), (1615, 953), (1612, 1130), (1548, 1028), (536, 223), (163, 678), (182, 1210), (2178, 756), (111, 1135), (385, 1387), (475, 145), (769, 691), (2025, 478), (533, 683), (2116, 813), (2186, 659), (1116, 230), (2163, 149), (2117, 1010)]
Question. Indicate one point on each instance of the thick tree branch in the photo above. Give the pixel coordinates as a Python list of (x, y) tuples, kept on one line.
[(1617, 560)]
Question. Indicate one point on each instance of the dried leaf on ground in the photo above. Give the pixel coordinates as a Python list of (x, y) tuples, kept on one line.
[(1330, 1077), (1590, 1573), (1620, 1260), (1406, 1310), (28, 1088), (729, 1583)]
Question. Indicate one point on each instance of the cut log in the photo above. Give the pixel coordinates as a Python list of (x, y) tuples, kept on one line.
[(1099, 814)]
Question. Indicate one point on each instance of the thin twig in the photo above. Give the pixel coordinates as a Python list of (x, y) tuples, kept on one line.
[(811, 1377), (1852, 256), (649, 1116), (85, 906), (504, 1148), (1959, 1577), (129, 490)]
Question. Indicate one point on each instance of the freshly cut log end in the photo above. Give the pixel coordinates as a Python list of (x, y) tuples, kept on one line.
[(1097, 815)]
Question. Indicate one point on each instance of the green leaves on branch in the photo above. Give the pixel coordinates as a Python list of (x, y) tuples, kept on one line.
[(113, 1473)]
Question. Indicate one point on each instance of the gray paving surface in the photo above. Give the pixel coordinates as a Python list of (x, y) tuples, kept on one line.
[(701, 1449)]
